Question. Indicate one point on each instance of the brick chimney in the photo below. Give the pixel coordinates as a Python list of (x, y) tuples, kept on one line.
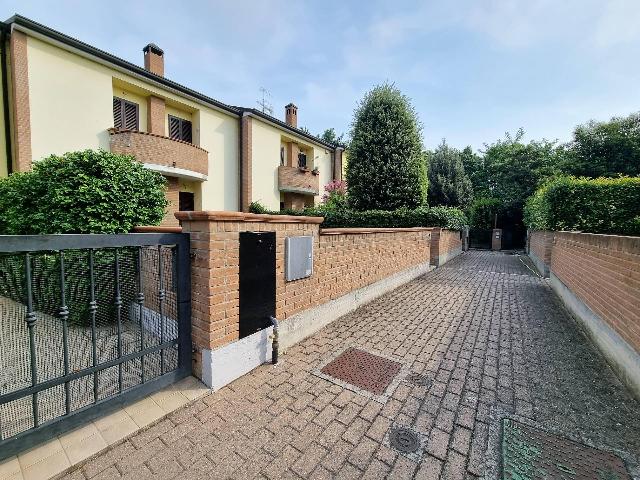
[(154, 59), (291, 115)]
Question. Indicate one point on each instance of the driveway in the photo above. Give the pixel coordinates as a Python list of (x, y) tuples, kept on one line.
[(489, 338)]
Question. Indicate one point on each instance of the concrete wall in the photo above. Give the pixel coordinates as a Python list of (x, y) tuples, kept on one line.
[(598, 279), (351, 266)]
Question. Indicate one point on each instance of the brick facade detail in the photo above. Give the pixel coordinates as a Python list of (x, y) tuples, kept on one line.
[(344, 260), (160, 150), (602, 271), (292, 179), (22, 156), (173, 197), (156, 113), (540, 246), (245, 162)]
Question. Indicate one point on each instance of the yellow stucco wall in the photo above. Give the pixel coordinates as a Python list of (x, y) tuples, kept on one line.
[(265, 160), (71, 100), (322, 160)]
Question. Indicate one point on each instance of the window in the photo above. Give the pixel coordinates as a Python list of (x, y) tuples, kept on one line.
[(126, 114), (302, 160), (180, 129), (281, 155), (186, 202)]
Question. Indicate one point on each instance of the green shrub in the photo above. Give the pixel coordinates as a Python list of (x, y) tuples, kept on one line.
[(483, 211), (601, 205), (445, 217), (81, 192)]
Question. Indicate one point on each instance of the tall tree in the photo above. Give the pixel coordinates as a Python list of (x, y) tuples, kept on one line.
[(605, 149), (449, 185), (386, 168), (330, 135)]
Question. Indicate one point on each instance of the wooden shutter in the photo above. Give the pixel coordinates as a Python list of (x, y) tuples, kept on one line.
[(186, 131), (125, 114), (180, 129), (174, 127), (117, 112)]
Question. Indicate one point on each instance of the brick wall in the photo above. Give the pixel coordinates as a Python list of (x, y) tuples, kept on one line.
[(173, 196), (540, 244), (292, 179), (159, 150), (445, 244), (603, 271), (21, 111), (344, 260)]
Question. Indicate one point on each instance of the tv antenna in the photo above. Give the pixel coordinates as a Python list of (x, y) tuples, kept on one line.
[(264, 104)]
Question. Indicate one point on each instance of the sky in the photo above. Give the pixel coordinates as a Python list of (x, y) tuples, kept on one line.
[(473, 69)]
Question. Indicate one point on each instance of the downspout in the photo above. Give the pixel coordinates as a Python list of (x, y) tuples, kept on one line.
[(5, 94)]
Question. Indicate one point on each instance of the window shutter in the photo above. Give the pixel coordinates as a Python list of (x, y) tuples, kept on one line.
[(174, 127), (180, 129), (131, 116), (117, 112), (186, 131)]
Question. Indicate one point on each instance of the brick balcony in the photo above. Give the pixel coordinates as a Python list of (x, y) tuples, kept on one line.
[(292, 179), (168, 156)]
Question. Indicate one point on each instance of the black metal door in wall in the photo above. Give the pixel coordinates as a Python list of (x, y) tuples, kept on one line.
[(87, 322), (257, 281)]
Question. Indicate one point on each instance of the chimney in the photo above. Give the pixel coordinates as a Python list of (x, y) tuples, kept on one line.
[(154, 59), (291, 115)]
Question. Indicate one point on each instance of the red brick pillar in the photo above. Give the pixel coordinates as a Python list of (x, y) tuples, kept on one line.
[(496, 239), (434, 256)]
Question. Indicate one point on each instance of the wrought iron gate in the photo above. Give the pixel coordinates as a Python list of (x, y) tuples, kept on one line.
[(87, 322)]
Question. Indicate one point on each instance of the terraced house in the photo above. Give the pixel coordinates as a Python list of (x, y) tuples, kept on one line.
[(60, 94)]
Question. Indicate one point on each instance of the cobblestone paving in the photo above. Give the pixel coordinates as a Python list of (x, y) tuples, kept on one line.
[(486, 331)]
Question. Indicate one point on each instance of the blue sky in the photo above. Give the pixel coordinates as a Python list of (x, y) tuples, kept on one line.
[(473, 69)]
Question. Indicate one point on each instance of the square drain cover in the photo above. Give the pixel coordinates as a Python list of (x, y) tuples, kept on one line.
[(531, 453), (363, 369)]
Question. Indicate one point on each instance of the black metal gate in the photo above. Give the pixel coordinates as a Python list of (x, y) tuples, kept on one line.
[(87, 323), (480, 238)]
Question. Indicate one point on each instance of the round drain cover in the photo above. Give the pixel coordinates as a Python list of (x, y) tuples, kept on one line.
[(404, 440), (419, 380)]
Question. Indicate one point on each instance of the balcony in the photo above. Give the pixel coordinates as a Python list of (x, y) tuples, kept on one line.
[(296, 180), (172, 158)]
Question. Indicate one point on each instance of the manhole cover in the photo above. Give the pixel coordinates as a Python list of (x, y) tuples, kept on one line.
[(404, 440), (418, 380), (363, 370), (528, 452)]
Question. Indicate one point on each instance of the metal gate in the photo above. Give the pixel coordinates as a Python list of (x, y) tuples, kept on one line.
[(480, 238), (87, 323)]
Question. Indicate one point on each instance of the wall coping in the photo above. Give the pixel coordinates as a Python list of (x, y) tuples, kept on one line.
[(219, 216), (124, 131), (348, 231), (156, 229), (628, 244)]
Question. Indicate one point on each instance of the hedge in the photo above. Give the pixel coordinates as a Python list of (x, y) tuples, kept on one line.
[(601, 205), (445, 217)]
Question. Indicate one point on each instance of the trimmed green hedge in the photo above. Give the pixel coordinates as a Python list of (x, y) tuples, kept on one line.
[(445, 217), (601, 205)]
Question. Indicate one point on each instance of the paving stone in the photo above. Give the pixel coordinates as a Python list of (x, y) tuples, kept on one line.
[(483, 328)]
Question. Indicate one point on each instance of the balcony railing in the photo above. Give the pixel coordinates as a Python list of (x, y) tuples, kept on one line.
[(297, 180), (170, 157)]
